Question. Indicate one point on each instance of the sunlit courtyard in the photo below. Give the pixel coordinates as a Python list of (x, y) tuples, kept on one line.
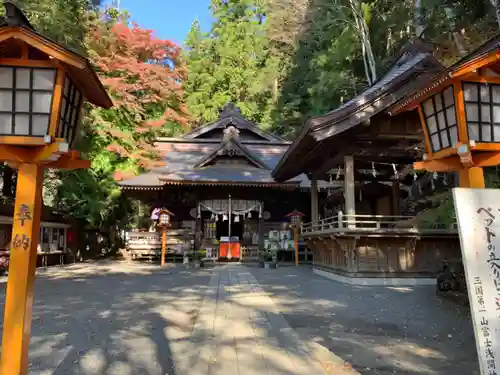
[(132, 318)]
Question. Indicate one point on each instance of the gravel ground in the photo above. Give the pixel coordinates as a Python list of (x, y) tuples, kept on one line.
[(117, 318), (110, 318), (379, 330)]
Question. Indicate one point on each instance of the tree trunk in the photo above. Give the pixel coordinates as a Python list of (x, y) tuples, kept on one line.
[(364, 36), (496, 6), (419, 27)]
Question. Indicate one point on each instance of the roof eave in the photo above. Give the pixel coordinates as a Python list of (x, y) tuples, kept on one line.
[(286, 169)]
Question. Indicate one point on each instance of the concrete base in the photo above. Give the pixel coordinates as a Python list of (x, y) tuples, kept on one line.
[(375, 281)]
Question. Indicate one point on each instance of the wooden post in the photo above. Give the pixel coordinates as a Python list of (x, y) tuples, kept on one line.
[(314, 200), (472, 178), (296, 243), (163, 244), (23, 257), (349, 191), (395, 197)]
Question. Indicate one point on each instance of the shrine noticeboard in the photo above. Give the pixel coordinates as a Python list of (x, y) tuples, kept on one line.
[(478, 216)]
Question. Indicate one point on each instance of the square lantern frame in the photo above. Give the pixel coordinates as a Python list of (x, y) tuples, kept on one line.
[(39, 102), (482, 111), (439, 115), (446, 128), (164, 217), (26, 100)]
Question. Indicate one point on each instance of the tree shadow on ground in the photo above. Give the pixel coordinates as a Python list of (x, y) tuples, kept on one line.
[(118, 318), (379, 330)]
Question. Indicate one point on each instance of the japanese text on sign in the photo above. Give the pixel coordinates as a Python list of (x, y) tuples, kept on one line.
[(479, 228)]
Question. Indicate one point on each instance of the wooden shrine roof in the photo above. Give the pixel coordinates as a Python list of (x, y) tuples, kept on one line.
[(229, 151), (336, 132)]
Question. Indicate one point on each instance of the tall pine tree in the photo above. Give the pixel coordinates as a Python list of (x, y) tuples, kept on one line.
[(226, 63)]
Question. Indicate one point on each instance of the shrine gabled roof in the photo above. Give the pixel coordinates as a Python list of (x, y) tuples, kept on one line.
[(231, 115), (193, 158), (182, 156), (407, 72)]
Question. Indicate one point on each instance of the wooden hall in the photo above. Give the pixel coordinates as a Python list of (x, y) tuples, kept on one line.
[(217, 181), (368, 234)]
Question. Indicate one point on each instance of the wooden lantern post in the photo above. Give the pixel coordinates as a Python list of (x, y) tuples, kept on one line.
[(295, 221), (164, 222), (460, 115), (42, 90)]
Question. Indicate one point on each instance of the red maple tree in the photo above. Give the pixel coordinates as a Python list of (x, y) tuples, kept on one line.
[(144, 76)]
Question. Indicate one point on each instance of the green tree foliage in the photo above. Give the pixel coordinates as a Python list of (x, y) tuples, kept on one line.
[(321, 52), (62, 20), (225, 64)]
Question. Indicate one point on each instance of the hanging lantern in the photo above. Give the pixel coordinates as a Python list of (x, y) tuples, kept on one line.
[(212, 217), (216, 218), (237, 219), (224, 217), (249, 216)]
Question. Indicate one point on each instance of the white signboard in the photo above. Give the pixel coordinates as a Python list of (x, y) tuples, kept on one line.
[(478, 215)]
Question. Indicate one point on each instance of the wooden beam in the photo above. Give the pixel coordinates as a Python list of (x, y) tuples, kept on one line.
[(485, 147), (475, 64), (43, 44), (29, 63), (56, 103), (453, 163), (15, 154), (68, 163), (474, 77), (486, 159), (458, 92), (450, 164), (427, 137), (329, 163), (21, 140)]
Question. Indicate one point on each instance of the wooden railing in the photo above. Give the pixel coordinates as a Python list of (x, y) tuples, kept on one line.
[(373, 223)]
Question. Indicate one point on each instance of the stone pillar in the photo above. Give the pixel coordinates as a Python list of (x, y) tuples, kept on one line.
[(349, 191), (314, 200)]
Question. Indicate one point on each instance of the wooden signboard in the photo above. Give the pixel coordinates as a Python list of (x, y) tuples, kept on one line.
[(478, 215)]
